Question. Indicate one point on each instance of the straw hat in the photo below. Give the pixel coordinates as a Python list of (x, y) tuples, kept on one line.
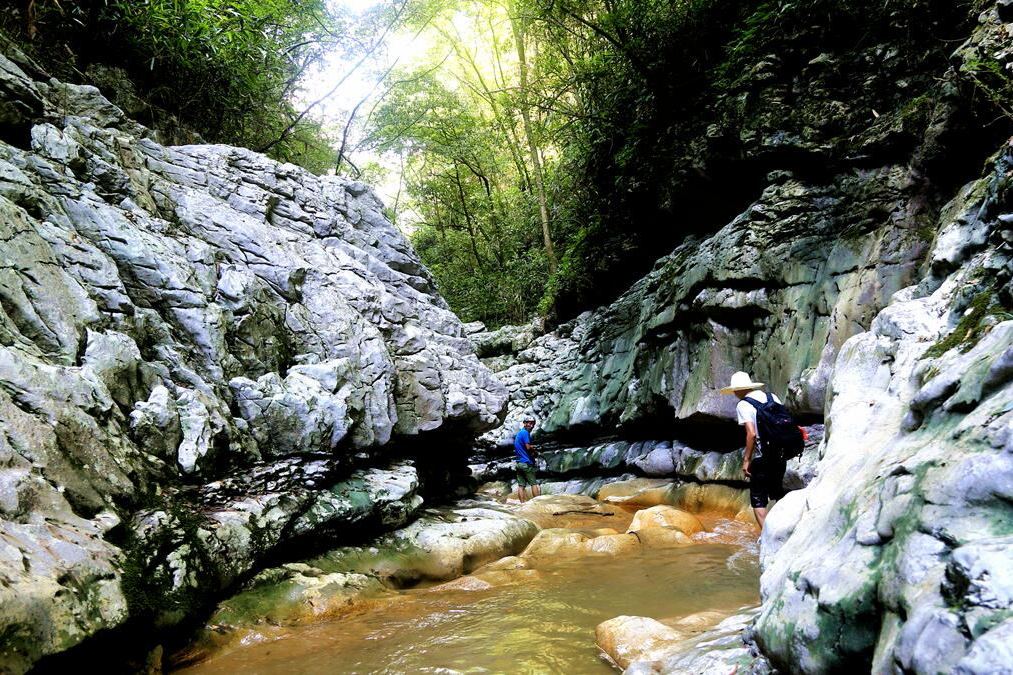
[(741, 382)]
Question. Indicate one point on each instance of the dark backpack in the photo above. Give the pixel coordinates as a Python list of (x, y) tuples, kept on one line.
[(780, 435)]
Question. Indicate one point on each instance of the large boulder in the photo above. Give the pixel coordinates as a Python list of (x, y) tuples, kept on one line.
[(704, 647), (636, 638)]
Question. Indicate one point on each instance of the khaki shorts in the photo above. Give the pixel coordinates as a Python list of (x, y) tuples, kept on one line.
[(525, 474)]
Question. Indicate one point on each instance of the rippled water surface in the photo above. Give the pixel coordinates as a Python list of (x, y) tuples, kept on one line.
[(544, 623)]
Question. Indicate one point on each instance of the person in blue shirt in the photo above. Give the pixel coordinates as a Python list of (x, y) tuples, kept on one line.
[(524, 459)]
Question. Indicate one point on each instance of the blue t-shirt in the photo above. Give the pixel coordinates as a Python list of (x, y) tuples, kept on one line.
[(522, 437)]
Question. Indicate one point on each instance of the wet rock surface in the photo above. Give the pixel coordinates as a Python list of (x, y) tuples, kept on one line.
[(441, 545)]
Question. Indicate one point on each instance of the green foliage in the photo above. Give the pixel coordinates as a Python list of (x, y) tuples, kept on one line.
[(459, 130), (984, 311), (593, 92), (993, 80), (649, 117), (635, 72), (226, 68)]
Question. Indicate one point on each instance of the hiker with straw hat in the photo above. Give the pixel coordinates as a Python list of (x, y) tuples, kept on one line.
[(765, 471)]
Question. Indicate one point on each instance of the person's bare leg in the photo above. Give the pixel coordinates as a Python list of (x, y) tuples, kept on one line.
[(761, 515), (536, 491)]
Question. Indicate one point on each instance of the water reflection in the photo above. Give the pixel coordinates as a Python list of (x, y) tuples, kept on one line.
[(532, 624)]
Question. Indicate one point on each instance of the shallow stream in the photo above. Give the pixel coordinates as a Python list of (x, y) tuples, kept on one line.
[(541, 623)]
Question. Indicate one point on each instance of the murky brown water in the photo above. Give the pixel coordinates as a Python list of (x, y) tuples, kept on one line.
[(542, 623)]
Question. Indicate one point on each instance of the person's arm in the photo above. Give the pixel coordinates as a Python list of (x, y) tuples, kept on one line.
[(750, 446), (531, 450)]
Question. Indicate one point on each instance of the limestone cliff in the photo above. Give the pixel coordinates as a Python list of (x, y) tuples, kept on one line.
[(898, 554), (198, 346), (869, 307)]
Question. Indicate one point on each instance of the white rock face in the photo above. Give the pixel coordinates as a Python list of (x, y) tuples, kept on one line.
[(172, 314), (897, 555)]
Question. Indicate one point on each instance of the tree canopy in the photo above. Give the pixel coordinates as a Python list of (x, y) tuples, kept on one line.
[(524, 122), (547, 152)]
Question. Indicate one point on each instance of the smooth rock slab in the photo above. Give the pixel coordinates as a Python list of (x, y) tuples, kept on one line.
[(567, 510), (636, 638), (718, 648), (663, 516)]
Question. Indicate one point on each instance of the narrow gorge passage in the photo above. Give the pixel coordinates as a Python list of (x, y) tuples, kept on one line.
[(533, 613), (260, 396)]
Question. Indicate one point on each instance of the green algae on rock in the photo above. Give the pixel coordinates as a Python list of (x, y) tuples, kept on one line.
[(861, 567)]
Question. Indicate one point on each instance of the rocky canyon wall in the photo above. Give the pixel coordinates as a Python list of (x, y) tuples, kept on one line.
[(875, 300), (897, 556), (207, 357), (203, 354)]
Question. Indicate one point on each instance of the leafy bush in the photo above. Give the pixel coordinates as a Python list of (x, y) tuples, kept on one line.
[(226, 68)]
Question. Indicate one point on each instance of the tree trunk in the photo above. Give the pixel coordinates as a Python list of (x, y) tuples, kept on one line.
[(536, 160), (468, 220)]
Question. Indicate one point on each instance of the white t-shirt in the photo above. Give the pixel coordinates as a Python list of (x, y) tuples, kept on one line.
[(746, 412)]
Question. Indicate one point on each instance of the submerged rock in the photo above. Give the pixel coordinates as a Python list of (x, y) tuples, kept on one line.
[(644, 493), (663, 516), (295, 593)]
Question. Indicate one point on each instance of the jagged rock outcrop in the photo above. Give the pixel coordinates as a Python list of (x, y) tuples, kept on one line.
[(889, 316), (775, 292), (897, 555), (194, 342)]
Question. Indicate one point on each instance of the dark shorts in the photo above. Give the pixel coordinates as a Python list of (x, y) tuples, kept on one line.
[(525, 474), (765, 481)]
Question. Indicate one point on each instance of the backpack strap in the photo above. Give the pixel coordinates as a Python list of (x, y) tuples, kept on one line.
[(770, 397), (753, 402)]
